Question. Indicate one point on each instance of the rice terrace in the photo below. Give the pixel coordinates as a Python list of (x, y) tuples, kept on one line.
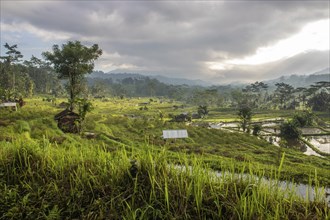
[(186, 122)]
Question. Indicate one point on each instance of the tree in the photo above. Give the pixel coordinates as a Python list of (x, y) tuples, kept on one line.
[(283, 93), (319, 96), (72, 61), (253, 93), (256, 129), (304, 118), (245, 116), (289, 130), (7, 77), (320, 102), (202, 111), (84, 106)]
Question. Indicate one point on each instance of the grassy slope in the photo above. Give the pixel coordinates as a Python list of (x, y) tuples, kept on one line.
[(92, 175)]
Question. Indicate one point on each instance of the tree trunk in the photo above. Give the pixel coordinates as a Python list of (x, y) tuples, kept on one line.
[(71, 85)]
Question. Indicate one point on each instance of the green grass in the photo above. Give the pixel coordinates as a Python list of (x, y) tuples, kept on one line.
[(46, 174), (42, 181)]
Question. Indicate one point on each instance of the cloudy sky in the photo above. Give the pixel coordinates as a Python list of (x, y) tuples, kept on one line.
[(218, 41)]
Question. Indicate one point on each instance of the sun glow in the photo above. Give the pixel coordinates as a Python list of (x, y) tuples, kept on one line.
[(314, 36)]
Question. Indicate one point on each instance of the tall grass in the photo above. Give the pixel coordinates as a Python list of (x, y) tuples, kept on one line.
[(44, 181), (129, 172)]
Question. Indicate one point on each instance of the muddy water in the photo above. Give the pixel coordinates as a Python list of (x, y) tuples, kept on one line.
[(304, 148), (311, 131), (322, 143)]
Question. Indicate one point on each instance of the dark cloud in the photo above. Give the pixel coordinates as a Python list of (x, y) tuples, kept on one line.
[(174, 38)]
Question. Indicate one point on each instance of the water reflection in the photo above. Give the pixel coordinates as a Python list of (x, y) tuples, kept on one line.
[(307, 192)]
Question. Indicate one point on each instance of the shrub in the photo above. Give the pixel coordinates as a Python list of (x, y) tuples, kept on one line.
[(290, 130), (304, 118), (256, 129), (22, 126)]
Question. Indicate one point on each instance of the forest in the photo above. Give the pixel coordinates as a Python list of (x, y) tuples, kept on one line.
[(26, 78), (81, 147)]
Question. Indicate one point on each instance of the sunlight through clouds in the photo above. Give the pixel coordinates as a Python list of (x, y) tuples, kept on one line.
[(314, 36), (241, 40)]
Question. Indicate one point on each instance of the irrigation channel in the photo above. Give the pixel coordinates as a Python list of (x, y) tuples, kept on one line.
[(304, 191)]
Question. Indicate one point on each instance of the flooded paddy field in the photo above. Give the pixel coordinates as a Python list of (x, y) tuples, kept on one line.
[(315, 136)]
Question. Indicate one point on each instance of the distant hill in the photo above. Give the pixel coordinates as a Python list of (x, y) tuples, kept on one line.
[(302, 80), (294, 80), (181, 81), (116, 77)]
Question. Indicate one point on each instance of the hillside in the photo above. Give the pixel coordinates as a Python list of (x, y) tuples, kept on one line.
[(117, 77), (294, 80), (302, 80), (120, 167)]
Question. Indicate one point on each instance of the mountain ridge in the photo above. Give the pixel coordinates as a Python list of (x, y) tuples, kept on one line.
[(294, 79)]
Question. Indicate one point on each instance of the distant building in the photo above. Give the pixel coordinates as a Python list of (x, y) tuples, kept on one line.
[(143, 103), (175, 134), (9, 104)]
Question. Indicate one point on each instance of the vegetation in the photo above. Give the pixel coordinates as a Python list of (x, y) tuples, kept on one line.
[(202, 111), (245, 116), (303, 118), (120, 167), (290, 130), (72, 62), (40, 181)]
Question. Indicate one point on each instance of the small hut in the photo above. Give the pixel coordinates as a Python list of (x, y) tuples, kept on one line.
[(68, 121), (63, 105)]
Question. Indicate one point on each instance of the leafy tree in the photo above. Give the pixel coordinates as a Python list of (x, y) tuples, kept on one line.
[(8, 73), (320, 102), (202, 111), (43, 76), (253, 93), (245, 116), (256, 129), (319, 96), (283, 93), (304, 118), (98, 88), (84, 106), (72, 61), (237, 97), (289, 130)]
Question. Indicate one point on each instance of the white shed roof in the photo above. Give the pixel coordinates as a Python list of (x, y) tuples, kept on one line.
[(175, 134)]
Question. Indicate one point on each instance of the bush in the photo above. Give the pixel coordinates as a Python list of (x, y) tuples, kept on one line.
[(290, 130), (256, 129), (304, 118), (22, 126)]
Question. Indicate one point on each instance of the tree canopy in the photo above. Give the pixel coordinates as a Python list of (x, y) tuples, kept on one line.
[(72, 61), (245, 116)]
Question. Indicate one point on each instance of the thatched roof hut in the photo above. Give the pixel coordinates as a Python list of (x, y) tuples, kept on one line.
[(68, 121)]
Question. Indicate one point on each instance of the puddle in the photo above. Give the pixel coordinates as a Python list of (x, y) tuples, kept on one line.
[(320, 142), (311, 131), (272, 124), (271, 130), (223, 125), (310, 152)]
